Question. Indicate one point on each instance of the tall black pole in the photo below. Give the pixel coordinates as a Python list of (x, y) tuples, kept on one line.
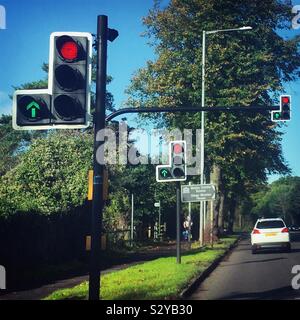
[(99, 124), (178, 251)]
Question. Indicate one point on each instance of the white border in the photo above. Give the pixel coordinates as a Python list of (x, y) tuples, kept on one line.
[(280, 109), (50, 86), (169, 165)]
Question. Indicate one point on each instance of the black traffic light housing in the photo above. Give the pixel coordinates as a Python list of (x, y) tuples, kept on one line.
[(284, 112), (69, 61), (176, 169), (66, 102), (33, 109), (285, 102)]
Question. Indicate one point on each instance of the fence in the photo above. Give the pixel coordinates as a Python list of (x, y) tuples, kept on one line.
[(29, 240)]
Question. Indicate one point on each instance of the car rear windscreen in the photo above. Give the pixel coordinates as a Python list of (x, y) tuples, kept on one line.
[(272, 224)]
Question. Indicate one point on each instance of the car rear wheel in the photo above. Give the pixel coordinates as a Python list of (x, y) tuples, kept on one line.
[(254, 250)]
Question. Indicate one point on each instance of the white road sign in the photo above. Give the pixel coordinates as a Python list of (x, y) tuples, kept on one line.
[(197, 192)]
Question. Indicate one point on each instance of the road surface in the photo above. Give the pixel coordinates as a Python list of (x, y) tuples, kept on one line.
[(262, 276)]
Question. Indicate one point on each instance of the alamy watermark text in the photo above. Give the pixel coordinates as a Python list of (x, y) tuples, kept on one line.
[(2, 278), (2, 17)]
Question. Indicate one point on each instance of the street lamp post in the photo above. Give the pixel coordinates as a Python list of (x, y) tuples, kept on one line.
[(202, 203), (132, 215)]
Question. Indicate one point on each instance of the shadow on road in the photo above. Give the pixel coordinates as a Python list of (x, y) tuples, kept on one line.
[(276, 294), (254, 261), (276, 250), (295, 236)]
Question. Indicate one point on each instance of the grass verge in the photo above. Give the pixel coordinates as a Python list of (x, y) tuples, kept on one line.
[(158, 279)]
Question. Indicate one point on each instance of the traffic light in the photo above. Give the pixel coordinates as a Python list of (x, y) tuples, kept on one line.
[(31, 109), (285, 102), (70, 78), (176, 169), (284, 113), (178, 160), (66, 102)]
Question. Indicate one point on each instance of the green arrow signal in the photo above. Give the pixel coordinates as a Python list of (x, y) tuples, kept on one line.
[(164, 172), (33, 106), (277, 115)]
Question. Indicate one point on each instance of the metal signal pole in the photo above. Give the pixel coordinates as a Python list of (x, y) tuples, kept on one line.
[(99, 124), (103, 35), (178, 207)]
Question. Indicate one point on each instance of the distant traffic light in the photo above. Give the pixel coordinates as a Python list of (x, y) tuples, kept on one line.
[(178, 161), (176, 169), (31, 109), (70, 78), (285, 102), (284, 113)]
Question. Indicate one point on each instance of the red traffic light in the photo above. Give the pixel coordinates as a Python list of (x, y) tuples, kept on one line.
[(178, 148), (69, 50), (285, 99)]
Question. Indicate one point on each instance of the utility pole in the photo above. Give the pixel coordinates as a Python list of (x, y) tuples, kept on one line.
[(103, 35), (178, 209), (212, 223), (202, 138), (132, 213), (190, 219), (202, 203), (159, 222)]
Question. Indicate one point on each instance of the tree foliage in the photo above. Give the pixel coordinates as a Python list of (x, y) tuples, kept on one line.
[(242, 69), (280, 199), (51, 176)]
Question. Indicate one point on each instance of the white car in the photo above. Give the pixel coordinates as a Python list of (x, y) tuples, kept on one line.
[(270, 233)]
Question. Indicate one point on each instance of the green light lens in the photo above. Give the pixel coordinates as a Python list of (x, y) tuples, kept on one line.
[(32, 108), (276, 115), (164, 173)]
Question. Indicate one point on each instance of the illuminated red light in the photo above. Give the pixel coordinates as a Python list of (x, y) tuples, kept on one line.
[(285, 99), (178, 148), (69, 50)]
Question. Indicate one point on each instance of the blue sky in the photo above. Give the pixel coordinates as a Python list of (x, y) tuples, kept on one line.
[(25, 42), (25, 45)]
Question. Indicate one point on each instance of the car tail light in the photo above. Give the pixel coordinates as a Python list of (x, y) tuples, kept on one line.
[(255, 231), (285, 230)]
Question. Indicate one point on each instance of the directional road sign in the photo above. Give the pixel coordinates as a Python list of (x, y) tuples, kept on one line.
[(197, 192), (157, 204)]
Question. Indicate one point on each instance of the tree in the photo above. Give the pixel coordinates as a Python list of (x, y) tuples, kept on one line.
[(280, 199), (13, 143), (243, 69), (51, 175), (16, 143)]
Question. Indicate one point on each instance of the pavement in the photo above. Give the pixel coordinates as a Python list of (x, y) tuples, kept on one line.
[(246, 276)]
